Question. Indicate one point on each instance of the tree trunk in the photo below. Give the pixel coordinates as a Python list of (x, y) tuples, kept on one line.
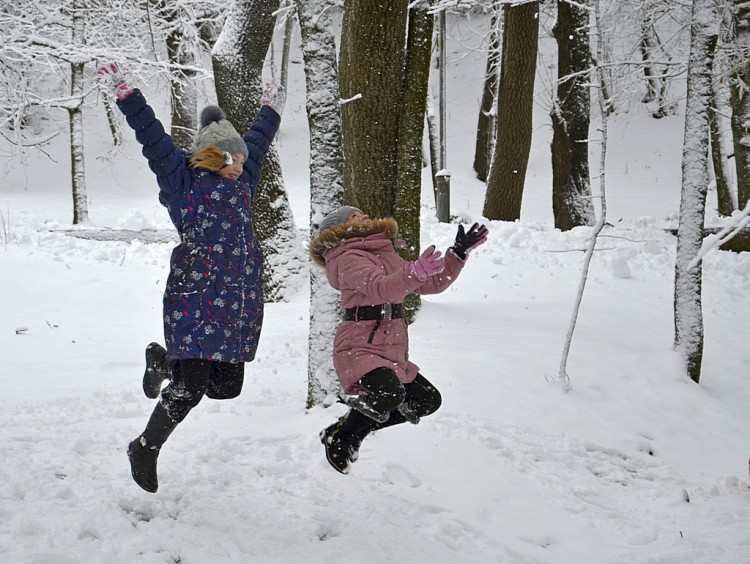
[(326, 187), (411, 136), (486, 124), (182, 84), (371, 69), (237, 59), (740, 101), (656, 80), (112, 120), (287, 45), (515, 103), (571, 184), (688, 284), (75, 117), (724, 195)]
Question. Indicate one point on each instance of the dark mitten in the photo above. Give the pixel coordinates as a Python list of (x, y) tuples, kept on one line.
[(468, 240)]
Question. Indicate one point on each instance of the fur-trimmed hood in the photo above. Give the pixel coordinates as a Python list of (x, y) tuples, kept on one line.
[(334, 236)]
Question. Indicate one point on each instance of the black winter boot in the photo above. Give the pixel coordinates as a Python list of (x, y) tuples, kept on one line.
[(143, 464), (143, 452), (159, 366), (343, 439)]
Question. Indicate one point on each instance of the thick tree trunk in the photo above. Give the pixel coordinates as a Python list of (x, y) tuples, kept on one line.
[(371, 74), (184, 91), (411, 135), (688, 282), (326, 187), (237, 59), (487, 122), (514, 112), (571, 184)]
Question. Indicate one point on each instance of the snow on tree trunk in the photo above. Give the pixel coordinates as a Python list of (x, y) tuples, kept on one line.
[(238, 57), (740, 101), (182, 45), (326, 187), (75, 115), (571, 185), (722, 177), (411, 137), (688, 314), (486, 126)]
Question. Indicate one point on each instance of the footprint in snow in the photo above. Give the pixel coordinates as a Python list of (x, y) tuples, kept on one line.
[(399, 476)]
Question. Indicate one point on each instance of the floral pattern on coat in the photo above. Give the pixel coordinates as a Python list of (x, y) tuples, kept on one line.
[(362, 263), (213, 300)]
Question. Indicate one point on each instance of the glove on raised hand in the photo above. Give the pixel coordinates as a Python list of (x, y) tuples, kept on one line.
[(274, 96), (429, 262), (113, 81), (468, 240)]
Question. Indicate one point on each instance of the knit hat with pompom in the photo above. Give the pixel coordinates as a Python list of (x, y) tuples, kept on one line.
[(337, 217), (216, 130)]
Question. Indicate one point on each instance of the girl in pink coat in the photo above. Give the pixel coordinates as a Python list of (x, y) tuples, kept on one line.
[(371, 346)]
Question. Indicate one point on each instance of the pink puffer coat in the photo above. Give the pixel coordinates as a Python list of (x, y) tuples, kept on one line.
[(362, 263)]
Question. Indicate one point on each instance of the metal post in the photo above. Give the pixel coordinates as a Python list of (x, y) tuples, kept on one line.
[(443, 177), (443, 203)]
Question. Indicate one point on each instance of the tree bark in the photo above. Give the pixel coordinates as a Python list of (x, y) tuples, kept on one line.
[(487, 122), (514, 112), (740, 101), (411, 135), (326, 187), (688, 282), (571, 184), (371, 62), (75, 117), (237, 59), (182, 84), (724, 195)]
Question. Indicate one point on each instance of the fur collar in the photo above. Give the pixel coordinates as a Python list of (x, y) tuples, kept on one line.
[(345, 231)]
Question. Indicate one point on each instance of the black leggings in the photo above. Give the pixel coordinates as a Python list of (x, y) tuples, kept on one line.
[(194, 378), (384, 393)]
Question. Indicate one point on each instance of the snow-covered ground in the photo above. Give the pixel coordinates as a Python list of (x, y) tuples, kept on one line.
[(635, 464)]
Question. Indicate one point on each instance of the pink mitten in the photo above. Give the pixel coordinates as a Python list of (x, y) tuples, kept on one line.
[(113, 81), (429, 262), (274, 96)]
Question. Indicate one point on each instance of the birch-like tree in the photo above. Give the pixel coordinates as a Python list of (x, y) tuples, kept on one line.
[(598, 77), (688, 314), (237, 58), (326, 186)]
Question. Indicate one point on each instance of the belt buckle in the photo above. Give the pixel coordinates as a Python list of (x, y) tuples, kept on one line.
[(386, 311)]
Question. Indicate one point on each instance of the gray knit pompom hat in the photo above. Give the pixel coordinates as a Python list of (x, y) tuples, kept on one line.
[(337, 217), (216, 130)]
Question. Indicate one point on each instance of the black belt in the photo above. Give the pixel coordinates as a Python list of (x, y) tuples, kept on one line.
[(375, 313)]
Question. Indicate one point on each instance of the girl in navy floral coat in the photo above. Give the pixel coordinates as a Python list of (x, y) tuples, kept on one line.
[(213, 301)]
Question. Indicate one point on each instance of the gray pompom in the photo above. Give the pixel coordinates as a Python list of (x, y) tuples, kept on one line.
[(211, 114)]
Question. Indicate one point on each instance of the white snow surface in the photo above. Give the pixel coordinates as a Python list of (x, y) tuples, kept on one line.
[(636, 464)]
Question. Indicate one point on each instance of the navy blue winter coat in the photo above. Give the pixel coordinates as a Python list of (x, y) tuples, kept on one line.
[(213, 301)]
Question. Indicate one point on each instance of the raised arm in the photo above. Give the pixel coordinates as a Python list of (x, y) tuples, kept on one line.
[(164, 158), (259, 136)]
